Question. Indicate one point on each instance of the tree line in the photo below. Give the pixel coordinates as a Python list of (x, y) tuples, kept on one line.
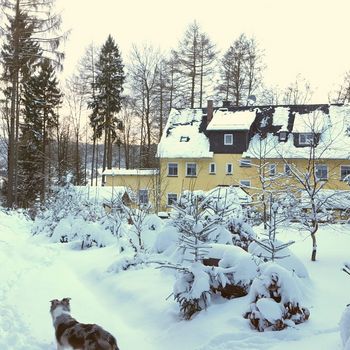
[(45, 134)]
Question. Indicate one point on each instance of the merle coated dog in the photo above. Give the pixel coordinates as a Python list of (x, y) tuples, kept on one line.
[(71, 334)]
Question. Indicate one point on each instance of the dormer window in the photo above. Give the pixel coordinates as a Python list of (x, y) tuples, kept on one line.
[(282, 136), (306, 138), (184, 139), (228, 139)]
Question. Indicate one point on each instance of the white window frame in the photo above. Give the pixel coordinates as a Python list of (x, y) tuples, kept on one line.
[(248, 183), (309, 138), (187, 167), (324, 166), (282, 136), (245, 163), (142, 192), (171, 194), (344, 166), (212, 171), (226, 142), (226, 169), (289, 172), (177, 169), (274, 171)]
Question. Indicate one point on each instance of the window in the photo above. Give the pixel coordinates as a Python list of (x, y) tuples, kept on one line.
[(172, 198), (143, 196), (321, 172), (244, 183), (228, 139), (229, 169), (287, 169), (272, 169), (306, 139), (282, 136), (344, 172), (245, 163), (191, 169), (172, 169), (184, 139), (212, 168)]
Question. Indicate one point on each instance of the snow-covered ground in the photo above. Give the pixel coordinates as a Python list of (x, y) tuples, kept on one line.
[(133, 304)]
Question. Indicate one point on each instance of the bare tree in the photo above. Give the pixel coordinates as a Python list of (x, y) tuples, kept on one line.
[(298, 92), (76, 100), (144, 73), (241, 69), (342, 94), (194, 62)]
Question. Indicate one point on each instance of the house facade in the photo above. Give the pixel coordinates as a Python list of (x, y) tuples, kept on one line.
[(249, 147)]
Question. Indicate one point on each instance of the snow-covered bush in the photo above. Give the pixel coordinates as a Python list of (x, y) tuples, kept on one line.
[(344, 323), (238, 267), (242, 232), (276, 299), (70, 217), (192, 289), (127, 261), (283, 257), (344, 326)]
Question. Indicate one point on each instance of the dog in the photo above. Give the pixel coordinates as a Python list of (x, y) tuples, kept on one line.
[(71, 334)]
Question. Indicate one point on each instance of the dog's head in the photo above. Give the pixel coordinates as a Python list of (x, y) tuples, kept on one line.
[(60, 306)]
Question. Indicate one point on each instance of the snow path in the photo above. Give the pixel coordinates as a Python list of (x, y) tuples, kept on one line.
[(132, 305)]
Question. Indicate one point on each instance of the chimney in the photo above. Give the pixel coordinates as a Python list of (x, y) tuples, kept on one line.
[(210, 111)]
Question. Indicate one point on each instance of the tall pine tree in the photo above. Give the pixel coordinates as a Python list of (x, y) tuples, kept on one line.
[(108, 99), (41, 99)]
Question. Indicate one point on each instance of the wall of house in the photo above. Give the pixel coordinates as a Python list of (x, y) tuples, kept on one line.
[(206, 181), (136, 183)]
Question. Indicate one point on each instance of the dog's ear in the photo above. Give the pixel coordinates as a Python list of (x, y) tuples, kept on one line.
[(54, 301), (66, 301)]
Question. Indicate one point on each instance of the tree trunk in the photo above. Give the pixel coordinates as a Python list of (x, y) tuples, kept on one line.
[(93, 158)]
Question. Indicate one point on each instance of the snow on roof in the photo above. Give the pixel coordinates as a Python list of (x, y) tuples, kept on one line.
[(232, 120), (334, 140), (331, 199), (183, 138), (125, 172), (281, 117), (315, 122), (101, 193), (232, 194)]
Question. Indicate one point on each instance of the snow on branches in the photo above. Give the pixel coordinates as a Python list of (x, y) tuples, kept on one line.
[(276, 299)]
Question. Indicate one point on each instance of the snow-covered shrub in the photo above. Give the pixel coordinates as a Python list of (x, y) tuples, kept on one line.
[(167, 239), (236, 265), (200, 220), (283, 257), (192, 290), (344, 326), (242, 232), (70, 217), (127, 261), (276, 299), (344, 323)]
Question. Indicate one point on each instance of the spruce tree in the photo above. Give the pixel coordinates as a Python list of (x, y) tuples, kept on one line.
[(41, 99), (26, 25), (109, 85)]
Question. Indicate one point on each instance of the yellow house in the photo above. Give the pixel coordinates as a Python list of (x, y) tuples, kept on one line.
[(142, 182), (250, 147)]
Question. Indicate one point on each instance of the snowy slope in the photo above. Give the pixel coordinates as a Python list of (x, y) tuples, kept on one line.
[(132, 305)]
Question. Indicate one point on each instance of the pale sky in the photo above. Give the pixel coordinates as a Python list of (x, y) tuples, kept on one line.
[(309, 37)]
